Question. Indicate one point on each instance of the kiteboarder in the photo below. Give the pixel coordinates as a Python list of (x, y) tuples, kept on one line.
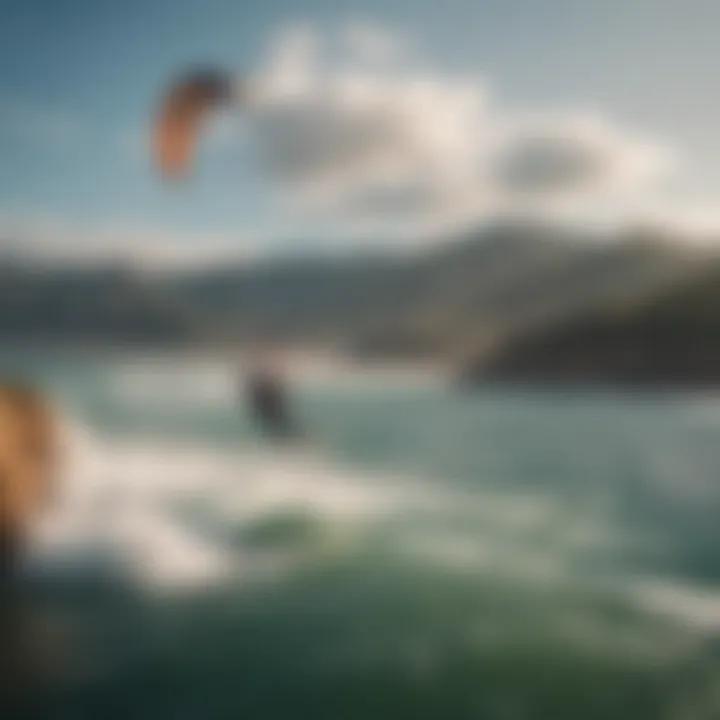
[(267, 397)]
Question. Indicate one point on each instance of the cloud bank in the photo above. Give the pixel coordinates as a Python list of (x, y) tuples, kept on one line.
[(354, 126)]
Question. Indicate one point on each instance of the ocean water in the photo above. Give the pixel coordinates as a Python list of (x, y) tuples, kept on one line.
[(424, 553)]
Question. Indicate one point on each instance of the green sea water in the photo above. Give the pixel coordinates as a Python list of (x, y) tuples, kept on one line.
[(424, 553)]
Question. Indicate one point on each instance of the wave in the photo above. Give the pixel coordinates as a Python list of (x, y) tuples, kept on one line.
[(166, 513)]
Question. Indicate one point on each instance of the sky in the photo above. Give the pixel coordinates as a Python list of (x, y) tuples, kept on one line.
[(376, 116)]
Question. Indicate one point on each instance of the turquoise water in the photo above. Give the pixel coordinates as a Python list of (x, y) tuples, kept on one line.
[(426, 554)]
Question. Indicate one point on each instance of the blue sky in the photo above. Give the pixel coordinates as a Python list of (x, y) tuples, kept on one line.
[(80, 80)]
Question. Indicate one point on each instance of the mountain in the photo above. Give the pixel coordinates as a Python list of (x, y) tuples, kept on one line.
[(669, 338), (476, 291), (111, 304), (510, 301)]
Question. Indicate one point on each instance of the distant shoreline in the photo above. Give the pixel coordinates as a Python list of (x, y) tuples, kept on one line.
[(310, 362), (302, 360)]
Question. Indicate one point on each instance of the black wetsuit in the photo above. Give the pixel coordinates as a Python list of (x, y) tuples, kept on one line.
[(268, 404)]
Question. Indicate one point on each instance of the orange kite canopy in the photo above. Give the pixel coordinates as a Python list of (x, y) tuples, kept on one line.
[(183, 109)]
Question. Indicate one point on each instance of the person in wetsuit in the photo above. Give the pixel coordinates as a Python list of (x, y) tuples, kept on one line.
[(28, 458), (267, 397)]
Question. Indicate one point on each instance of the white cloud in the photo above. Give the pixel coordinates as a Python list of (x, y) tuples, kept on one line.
[(574, 155), (351, 127), (348, 136), (695, 220)]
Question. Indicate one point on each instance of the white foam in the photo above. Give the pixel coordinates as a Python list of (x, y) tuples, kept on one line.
[(124, 506), (157, 382), (694, 607), (197, 382)]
